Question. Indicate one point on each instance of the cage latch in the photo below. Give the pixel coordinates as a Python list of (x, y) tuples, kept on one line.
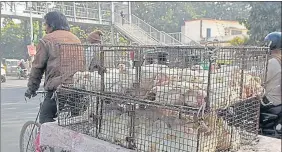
[(131, 112), (137, 63)]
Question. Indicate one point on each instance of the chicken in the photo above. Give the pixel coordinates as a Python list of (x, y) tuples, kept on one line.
[(178, 137)]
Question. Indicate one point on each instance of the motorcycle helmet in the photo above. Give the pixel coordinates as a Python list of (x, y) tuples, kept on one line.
[(273, 40)]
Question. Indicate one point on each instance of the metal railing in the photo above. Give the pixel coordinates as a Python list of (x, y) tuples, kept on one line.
[(137, 33), (183, 39), (160, 36), (70, 11)]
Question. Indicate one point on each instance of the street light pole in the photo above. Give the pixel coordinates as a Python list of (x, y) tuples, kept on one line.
[(129, 12), (74, 12), (100, 13), (31, 25)]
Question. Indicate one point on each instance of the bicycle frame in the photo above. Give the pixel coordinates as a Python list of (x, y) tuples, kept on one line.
[(36, 119)]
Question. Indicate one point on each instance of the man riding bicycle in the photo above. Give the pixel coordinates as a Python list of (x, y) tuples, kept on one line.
[(47, 59)]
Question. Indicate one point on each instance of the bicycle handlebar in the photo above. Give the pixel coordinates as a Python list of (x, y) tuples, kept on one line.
[(41, 92), (37, 92)]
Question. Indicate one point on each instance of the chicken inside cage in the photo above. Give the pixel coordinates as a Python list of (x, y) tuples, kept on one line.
[(173, 85), (156, 106)]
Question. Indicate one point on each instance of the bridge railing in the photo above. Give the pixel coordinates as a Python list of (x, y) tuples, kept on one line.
[(184, 39), (160, 36), (71, 11)]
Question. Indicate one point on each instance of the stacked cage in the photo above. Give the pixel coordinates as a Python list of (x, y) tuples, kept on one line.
[(154, 99)]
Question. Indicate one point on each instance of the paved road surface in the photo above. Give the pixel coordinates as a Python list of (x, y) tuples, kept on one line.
[(15, 112)]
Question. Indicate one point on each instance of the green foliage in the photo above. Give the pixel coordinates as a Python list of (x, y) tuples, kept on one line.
[(76, 30), (265, 17), (238, 41), (12, 35), (170, 16)]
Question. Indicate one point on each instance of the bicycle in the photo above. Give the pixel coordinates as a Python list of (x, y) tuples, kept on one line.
[(67, 109), (35, 126)]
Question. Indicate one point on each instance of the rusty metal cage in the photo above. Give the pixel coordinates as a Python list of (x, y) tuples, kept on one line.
[(155, 99)]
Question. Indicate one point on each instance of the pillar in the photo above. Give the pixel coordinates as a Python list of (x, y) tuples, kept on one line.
[(129, 12), (26, 39), (100, 14)]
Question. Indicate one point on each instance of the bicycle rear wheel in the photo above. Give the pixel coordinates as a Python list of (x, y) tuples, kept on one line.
[(27, 144)]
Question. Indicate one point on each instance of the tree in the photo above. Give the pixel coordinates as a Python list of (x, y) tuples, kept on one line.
[(76, 30), (238, 41), (12, 39), (265, 17), (169, 17)]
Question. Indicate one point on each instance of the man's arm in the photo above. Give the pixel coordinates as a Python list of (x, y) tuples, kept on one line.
[(38, 67)]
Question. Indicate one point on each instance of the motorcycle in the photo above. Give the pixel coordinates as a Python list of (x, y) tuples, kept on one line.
[(270, 123), (22, 73)]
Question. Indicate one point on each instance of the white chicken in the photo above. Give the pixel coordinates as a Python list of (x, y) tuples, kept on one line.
[(189, 75)]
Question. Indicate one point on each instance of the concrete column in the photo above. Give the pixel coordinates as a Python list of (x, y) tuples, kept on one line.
[(100, 12), (26, 38), (74, 12), (129, 12), (113, 12)]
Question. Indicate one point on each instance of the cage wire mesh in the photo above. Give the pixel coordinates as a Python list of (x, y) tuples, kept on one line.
[(155, 99)]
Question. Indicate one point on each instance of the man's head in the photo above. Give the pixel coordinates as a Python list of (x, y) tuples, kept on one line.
[(55, 21), (273, 40), (95, 37)]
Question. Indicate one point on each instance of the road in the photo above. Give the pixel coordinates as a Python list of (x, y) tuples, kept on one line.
[(15, 111)]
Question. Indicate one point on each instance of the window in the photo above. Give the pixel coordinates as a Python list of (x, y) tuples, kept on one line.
[(236, 32), (208, 33)]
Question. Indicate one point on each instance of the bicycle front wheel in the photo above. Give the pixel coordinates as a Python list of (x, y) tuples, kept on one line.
[(28, 136)]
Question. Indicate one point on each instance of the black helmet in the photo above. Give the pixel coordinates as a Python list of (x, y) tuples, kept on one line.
[(273, 40)]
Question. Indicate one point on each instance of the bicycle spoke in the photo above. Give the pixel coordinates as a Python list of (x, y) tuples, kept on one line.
[(30, 137)]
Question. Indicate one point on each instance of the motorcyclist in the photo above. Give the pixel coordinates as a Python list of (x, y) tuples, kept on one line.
[(21, 67), (47, 59), (22, 64), (272, 98)]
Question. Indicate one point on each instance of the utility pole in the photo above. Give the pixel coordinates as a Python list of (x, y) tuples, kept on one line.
[(74, 12), (129, 12), (31, 25), (100, 13), (112, 22), (112, 30)]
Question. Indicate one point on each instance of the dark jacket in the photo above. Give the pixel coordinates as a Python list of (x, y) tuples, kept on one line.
[(21, 65), (58, 62)]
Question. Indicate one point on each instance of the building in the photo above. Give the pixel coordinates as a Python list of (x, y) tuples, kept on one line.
[(203, 30)]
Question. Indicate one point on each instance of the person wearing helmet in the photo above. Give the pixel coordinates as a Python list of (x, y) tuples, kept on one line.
[(273, 77)]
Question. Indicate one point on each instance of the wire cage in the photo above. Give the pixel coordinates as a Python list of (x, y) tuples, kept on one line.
[(153, 99)]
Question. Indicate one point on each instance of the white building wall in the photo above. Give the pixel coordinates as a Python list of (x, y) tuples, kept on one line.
[(191, 29), (216, 29)]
